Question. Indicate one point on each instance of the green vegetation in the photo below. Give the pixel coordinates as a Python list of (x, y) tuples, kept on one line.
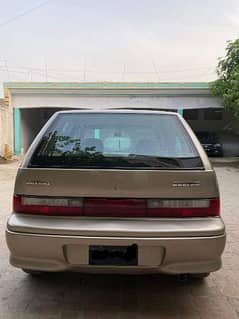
[(227, 85)]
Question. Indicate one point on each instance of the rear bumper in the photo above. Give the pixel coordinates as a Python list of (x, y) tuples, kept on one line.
[(184, 249)]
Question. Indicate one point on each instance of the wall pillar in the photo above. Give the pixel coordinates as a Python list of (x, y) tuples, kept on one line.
[(17, 131), (180, 111)]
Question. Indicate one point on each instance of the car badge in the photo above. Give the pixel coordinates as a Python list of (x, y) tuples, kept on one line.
[(186, 184), (38, 183)]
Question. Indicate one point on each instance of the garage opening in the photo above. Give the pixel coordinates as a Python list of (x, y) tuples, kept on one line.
[(219, 122), (32, 120)]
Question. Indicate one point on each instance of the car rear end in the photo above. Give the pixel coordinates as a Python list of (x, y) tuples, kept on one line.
[(116, 191)]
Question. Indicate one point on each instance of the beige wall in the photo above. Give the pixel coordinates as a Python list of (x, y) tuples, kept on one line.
[(6, 131)]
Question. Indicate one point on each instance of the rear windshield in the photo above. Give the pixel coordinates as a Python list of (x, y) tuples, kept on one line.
[(116, 141)]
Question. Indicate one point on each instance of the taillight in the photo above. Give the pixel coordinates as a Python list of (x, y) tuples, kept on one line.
[(183, 207), (116, 207), (47, 205)]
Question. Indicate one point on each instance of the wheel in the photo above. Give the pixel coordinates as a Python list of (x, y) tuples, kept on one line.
[(200, 275), (33, 272)]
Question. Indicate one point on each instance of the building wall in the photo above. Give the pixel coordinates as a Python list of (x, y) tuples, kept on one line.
[(6, 131), (95, 99)]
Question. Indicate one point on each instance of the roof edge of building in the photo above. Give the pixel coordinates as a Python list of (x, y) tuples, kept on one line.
[(106, 85)]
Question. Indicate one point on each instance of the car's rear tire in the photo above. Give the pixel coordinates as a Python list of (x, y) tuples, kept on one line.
[(200, 276), (33, 272)]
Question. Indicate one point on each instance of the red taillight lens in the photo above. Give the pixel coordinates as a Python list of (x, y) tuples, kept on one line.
[(115, 207), (110, 207), (47, 205), (184, 208)]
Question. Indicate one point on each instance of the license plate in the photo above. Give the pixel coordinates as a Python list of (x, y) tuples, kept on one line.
[(113, 255)]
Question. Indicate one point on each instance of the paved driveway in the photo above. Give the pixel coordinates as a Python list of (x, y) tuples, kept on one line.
[(101, 296)]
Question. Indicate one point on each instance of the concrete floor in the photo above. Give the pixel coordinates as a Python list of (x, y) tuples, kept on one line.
[(101, 296)]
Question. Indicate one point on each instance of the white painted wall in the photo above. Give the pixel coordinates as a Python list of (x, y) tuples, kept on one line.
[(66, 100)]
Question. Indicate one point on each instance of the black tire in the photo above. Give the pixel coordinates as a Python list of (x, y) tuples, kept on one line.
[(33, 272), (200, 276)]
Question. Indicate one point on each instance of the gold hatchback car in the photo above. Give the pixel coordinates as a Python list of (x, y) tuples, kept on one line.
[(116, 191)]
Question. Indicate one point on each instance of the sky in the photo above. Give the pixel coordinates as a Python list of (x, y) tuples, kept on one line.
[(114, 40)]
